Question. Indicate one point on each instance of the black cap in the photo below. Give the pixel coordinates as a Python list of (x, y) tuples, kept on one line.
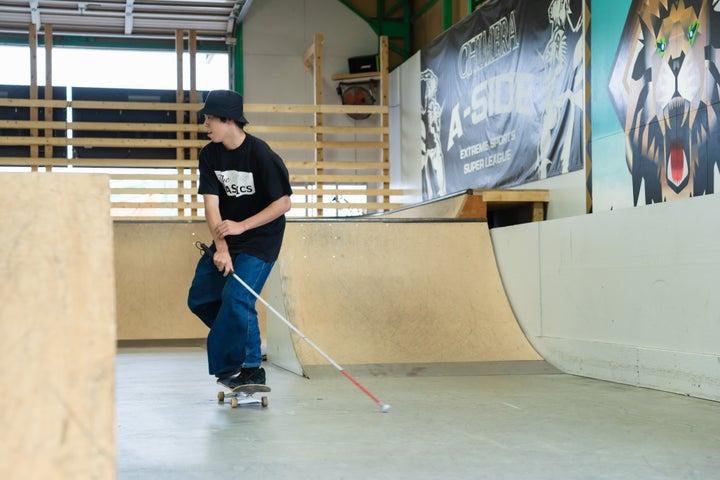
[(224, 103)]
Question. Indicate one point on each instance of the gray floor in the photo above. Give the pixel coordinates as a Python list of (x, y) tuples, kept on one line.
[(170, 425)]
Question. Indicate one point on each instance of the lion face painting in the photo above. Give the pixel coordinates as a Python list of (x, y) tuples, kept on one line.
[(664, 87)]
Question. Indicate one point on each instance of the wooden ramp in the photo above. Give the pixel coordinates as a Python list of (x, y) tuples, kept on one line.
[(399, 294)]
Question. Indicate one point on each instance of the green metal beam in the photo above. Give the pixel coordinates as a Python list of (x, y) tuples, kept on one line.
[(447, 14), (236, 62), (394, 28), (109, 44)]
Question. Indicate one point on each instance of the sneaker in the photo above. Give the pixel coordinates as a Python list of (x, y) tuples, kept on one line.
[(251, 376), (227, 380)]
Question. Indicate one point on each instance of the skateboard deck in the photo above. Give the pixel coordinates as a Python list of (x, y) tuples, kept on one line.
[(243, 395)]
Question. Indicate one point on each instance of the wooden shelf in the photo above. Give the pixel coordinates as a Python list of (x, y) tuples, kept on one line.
[(355, 76)]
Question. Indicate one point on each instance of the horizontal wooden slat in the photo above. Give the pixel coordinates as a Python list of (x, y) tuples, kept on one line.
[(140, 204), (323, 144), (103, 126), (355, 76), (266, 108), (371, 192), (154, 176), (25, 103), (173, 163), (183, 127), (339, 178), (133, 162), (339, 165), (302, 129), (27, 161), (143, 190), (100, 162), (152, 191), (104, 142), (335, 205), (173, 143), (293, 178), (99, 105), (189, 107), (158, 218), (343, 205)]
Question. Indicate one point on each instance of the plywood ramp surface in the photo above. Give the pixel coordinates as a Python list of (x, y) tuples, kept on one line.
[(57, 328), (449, 206), (154, 264), (389, 292)]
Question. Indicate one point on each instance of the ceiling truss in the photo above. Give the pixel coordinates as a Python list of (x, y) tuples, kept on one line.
[(215, 21)]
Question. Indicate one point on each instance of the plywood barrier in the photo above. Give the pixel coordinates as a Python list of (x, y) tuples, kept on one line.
[(57, 335), (397, 292), (154, 266), (154, 263)]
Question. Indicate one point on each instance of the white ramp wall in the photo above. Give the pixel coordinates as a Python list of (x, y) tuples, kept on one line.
[(629, 296)]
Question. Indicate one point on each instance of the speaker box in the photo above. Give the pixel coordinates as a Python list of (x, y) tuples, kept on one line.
[(364, 64)]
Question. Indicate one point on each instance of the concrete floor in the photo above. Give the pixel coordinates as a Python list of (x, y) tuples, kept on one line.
[(171, 426)]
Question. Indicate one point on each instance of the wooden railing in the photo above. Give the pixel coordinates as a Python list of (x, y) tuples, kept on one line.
[(162, 189)]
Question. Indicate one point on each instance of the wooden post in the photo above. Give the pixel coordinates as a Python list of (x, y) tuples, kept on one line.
[(49, 149), (192, 47), (319, 137), (33, 44), (385, 121), (313, 60), (179, 114)]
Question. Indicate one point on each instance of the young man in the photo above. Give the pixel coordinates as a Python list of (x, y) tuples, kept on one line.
[(246, 191)]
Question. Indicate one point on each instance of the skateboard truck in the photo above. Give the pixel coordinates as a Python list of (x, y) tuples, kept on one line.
[(243, 395)]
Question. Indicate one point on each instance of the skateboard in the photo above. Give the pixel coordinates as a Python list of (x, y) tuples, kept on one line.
[(243, 395)]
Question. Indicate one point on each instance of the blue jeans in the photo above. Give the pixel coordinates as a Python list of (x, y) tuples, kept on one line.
[(228, 308)]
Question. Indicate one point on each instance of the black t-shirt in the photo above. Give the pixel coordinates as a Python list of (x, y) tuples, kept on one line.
[(246, 180)]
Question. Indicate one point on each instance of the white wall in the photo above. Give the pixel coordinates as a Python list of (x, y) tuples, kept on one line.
[(567, 194), (276, 35), (628, 296), (405, 129)]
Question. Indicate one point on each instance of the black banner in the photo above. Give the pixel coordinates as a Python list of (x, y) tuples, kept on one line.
[(502, 97)]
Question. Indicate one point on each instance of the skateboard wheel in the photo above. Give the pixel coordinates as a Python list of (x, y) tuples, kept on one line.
[(221, 396), (264, 401), (234, 402)]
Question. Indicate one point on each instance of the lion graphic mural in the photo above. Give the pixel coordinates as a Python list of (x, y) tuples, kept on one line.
[(664, 88)]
